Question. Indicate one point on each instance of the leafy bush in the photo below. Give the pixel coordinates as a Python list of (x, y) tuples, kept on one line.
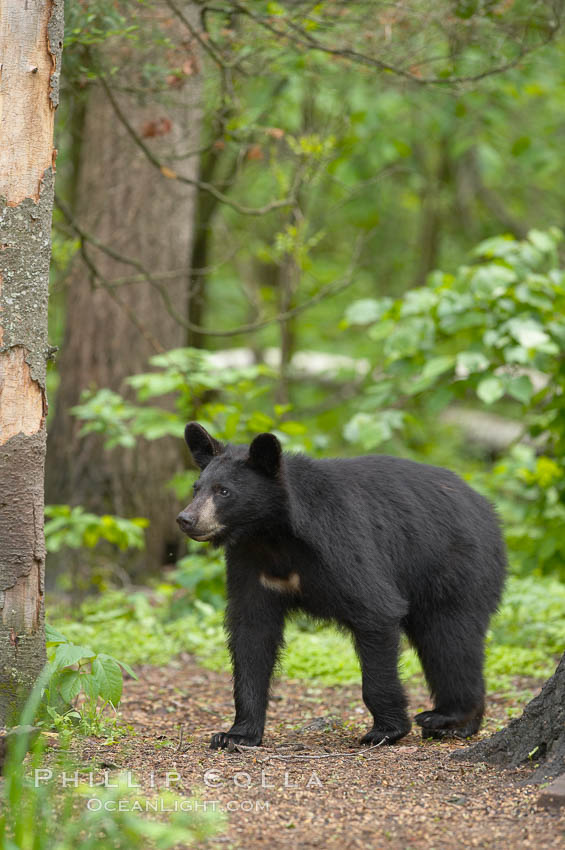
[(529, 491), (492, 332), (226, 401), (82, 682), (45, 816), (200, 576), (77, 529)]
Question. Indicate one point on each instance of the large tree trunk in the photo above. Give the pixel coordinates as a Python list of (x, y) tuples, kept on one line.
[(537, 737), (30, 47), (128, 204)]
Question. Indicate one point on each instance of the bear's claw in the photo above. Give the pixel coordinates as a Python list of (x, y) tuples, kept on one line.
[(226, 740)]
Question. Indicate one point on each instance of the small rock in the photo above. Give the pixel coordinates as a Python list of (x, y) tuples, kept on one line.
[(553, 797), (458, 800), (321, 724)]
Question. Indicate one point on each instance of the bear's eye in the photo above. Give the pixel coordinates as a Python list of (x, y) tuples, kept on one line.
[(223, 491)]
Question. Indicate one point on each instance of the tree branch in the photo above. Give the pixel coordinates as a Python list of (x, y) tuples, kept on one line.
[(304, 39), (96, 275), (204, 43), (172, 175), (329, 290)]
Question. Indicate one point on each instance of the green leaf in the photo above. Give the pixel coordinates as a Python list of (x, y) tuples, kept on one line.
[(490, 389), (69, 653), (68, 684), (150, 384), (417, 301), (108, 676), (497, 246), (438, 365), (471, 361), (367, 311), (492, 281), (90, 687), (127, 668), (529, 295), (123, 664), (294, 429), (379, 393), (520, 388), (528, 332), (372, 429), (542, 241), (516, 354), (410, 337), (53, 636), (381, 330), (458, 321), (433, 368)]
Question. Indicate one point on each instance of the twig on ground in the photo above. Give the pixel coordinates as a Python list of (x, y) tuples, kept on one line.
[(241, 748)]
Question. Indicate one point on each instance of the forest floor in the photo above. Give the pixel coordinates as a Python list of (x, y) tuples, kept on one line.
[(310, 785)]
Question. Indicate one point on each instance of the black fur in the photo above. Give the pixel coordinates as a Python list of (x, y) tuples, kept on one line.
[(379, 544)]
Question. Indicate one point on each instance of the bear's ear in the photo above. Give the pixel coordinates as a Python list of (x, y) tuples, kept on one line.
[(202, 446), (265, 454)]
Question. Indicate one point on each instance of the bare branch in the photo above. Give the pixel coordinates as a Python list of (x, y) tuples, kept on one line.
[(327, 291), (172, 175), (303, 38), (203, 42)]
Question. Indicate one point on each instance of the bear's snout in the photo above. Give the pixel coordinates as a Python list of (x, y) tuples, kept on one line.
[(186, 521)]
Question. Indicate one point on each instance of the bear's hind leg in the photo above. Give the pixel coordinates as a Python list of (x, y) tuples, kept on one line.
[(451, 650)]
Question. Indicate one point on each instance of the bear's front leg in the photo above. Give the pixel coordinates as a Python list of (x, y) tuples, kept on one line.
[(382, 692), (255, 626)]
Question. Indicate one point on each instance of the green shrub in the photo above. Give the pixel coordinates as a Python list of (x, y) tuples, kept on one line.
[(492, 334), (82, 682), (46, 816), (77, 529)]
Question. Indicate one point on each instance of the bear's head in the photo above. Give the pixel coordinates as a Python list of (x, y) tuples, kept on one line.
[(240, 490)]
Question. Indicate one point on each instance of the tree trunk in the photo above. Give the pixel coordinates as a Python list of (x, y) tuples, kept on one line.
[(129, 205), (30, 47), (537, 737), (431, 212), (205, 207)]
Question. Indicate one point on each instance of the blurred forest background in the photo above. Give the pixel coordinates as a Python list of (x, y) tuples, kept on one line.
[(336, 221)]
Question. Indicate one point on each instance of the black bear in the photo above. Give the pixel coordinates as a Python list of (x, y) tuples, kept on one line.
[(380, 545)]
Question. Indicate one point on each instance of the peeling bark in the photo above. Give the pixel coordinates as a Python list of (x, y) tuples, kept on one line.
[(30, 47), (21, 398)]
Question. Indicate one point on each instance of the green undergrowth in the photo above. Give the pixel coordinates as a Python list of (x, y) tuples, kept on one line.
[(527, 636)]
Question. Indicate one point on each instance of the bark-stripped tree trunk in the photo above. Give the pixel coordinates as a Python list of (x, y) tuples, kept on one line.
[(30, 56), (536, 738), (129, 205)]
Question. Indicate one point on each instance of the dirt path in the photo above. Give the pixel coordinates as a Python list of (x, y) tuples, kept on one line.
[(407, 797)]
